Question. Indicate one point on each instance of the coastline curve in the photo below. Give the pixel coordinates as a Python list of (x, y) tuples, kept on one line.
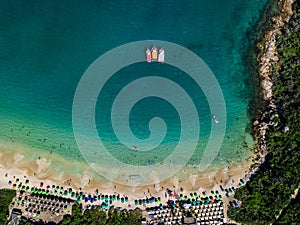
[(88, 90)]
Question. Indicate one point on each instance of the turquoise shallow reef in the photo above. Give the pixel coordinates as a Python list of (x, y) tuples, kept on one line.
[(46, 46)]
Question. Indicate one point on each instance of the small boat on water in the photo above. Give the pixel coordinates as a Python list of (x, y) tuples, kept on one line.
[(215, 119), (161, 56), (148, 55), (154, 53)]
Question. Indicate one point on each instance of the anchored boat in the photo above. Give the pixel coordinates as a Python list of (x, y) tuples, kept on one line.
[(215, 119), (161, 56), (154, 53), (148, 55)]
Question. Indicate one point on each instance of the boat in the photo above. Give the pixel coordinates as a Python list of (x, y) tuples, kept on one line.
[(161, 55), (148, 55), (215, 119), (154, 53)]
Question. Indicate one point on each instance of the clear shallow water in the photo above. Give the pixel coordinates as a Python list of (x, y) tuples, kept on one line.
[(47, 46)]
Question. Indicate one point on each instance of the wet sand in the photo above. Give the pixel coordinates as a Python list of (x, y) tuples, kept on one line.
[(14, 164)]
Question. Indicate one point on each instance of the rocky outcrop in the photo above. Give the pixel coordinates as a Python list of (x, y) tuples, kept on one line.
[(267, 59), (268, 56)]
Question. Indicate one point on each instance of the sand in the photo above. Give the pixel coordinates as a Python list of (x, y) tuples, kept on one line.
[(14, 164)]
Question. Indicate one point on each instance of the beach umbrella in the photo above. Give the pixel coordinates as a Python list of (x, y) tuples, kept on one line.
[(41, 184), (9, 183), (126, 199)]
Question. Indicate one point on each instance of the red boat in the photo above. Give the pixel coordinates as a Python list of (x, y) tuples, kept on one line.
[(148, 55)]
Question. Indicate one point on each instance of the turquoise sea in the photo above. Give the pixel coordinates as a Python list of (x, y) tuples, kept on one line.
[(46, 46)]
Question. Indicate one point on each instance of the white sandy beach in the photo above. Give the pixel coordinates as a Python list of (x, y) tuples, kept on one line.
[(14, 164)]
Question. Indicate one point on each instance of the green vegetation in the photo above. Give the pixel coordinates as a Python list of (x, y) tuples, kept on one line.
[(290, 215), (96, 216), (270, 189), (6, 197)]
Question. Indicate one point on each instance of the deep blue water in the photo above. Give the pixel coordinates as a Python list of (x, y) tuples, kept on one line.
[(46, 46)]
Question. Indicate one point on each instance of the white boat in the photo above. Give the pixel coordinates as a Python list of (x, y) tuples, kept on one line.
[(148, 55), (154, 53), (215, 119), (161, 56)]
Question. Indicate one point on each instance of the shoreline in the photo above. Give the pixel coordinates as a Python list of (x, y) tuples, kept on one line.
[(18, 174), (266, 58), (271, 118), (14, 164), (229, 177)]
